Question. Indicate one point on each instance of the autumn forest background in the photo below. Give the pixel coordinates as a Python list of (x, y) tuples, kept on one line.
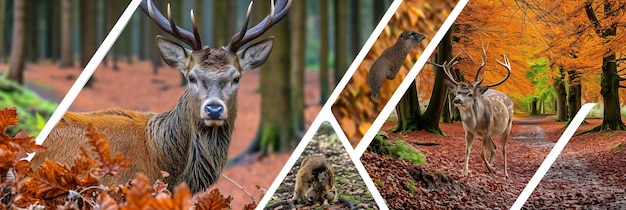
[(45, 44)]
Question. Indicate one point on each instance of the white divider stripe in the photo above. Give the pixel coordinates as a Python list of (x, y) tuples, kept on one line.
[(382, 204), (87, 72), (325, 113), (554, 153), (417, 67)]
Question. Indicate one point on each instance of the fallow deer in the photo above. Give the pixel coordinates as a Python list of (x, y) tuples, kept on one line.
[(485, 113), (191, 141)]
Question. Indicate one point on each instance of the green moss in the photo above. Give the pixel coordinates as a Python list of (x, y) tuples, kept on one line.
[(32, 110), (379, 182), (410, 186)]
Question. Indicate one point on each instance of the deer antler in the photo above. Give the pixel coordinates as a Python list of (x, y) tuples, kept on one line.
[(168, 25), (506, 65), (447, 66), (246, 35), (482, 58)]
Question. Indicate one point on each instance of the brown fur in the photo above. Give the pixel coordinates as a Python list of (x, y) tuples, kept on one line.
[(315, 181), (390, 61), (185, 142)]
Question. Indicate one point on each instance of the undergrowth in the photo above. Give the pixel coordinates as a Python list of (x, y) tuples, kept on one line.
[(32, 110), (78, 186), (398, 149)]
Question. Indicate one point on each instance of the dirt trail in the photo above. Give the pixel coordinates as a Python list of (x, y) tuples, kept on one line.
[(533, 135)]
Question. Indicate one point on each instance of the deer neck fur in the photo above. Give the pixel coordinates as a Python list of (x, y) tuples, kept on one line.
[(477, 118), (189, 150)]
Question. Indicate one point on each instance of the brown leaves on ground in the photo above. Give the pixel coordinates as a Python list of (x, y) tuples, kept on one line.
[(58, 186)]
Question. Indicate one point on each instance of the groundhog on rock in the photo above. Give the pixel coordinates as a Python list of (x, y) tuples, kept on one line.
[(390, 61), (315, 182)]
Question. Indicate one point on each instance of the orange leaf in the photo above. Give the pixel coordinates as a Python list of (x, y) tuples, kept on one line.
[(212, 200)]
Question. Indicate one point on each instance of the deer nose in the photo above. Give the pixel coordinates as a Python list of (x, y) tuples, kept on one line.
[(214, 111), (456, 101)]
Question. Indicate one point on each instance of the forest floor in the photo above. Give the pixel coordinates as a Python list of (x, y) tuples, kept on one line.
[(348, 182), (135, 87), (588, 174)]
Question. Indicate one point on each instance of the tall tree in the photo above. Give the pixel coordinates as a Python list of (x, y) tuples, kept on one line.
[(3, 26), (67, 57), (274, 133), (612, 119), (561, 97), (324, 77), (16, 64), (410, 117), (355, 28), (297, 23), (88, 32), (341, 39)]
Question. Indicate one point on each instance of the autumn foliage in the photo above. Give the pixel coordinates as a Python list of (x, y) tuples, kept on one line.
[(58, 186), (353, 108)]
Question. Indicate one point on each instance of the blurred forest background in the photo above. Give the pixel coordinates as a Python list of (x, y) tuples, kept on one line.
[(54, 35)]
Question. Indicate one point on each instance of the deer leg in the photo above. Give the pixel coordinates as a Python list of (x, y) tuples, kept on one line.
[(469, 138), (505, 136), (493, 151), (487, 143)]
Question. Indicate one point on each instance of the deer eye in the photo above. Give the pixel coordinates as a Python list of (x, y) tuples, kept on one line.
[(470, 95), (236, 80), (192, 79)]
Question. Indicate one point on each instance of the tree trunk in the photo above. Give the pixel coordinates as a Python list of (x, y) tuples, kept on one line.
[(324, 77), (297, 23), (561, 97), (31, 30), (3, 28), (274, 134), (220, 37), (67, 57), (355, 28), (440, 92), (408, 111), (341, 31), (610, 86), (574, 94), (54, 16), (88, 37), (16, 64), (533, 107), (609, 80), (380, 7), (410, 118), (114, 13)]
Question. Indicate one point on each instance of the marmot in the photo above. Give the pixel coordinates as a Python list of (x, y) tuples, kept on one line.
[(390, 61), (315, 182)]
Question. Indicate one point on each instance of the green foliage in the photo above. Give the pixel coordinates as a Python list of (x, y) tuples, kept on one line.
[(32, 110), (410, 186), (540, 77), (397, 149), (379, 182)]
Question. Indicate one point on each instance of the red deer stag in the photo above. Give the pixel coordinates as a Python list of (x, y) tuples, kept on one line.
[(191, 141), (485, 113)]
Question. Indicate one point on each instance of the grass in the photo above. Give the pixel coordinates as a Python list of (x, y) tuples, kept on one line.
[(410, 186)]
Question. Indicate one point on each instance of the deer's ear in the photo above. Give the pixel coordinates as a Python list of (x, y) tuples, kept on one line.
[(451, 86), (255, 55), (173, 53), (481, 90)]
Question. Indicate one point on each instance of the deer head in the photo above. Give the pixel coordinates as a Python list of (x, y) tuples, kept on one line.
[(465, 94), (214, 73)]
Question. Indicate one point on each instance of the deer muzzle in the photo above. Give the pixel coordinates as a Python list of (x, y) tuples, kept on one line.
[(214, 112)]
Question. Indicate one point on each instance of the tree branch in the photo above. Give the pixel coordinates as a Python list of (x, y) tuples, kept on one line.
[(592, 17)]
